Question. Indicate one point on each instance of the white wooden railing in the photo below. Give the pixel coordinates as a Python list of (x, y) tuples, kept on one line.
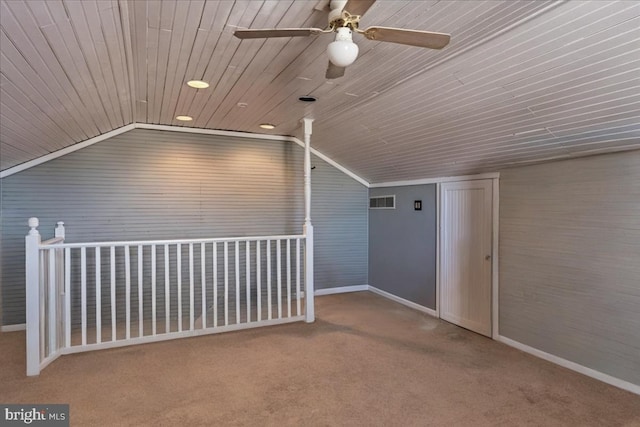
[(89, 296)]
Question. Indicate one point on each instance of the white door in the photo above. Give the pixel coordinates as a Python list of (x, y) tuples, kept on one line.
[(465, 254)]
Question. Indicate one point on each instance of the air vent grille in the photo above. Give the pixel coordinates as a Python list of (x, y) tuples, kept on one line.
[(382, 202)]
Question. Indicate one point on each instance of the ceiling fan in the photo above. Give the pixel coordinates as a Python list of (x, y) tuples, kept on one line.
[(344, 19)]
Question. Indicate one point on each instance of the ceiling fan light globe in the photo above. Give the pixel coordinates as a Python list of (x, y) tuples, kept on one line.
[(342, 53)]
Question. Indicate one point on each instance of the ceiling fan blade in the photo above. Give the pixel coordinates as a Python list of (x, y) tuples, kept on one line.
[(333, 71), (358, 7), (276, 32), (418, 38)]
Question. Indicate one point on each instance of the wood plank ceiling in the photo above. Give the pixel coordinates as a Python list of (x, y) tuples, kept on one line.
[(521, 81)]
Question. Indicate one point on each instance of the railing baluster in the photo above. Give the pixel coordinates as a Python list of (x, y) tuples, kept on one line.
[(288, 277), (42, 298), (140, 302), (60, 298), (112, 259), (191, 286), (237, 282), (67, 296), (279, 277), (269, 279), (179, 274), (53, 302), (203, 285), (215, 284), (98, 296), (258, 282), (247, 273), (167, 292), (298, 304), (226, 283), (153, 289), (127, 290), (83, 292)]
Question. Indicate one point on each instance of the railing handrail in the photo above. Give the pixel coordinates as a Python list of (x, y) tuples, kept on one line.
[(174, 241), (52, 241)]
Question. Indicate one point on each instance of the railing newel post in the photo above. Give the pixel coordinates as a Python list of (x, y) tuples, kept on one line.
[(59, 231), (32, 290)]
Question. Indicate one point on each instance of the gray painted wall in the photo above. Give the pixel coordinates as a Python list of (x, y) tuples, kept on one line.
[(161, 185), (402, 244), (570, 260)]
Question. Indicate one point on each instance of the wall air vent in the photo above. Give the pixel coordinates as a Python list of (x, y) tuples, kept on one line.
[(382, 202)]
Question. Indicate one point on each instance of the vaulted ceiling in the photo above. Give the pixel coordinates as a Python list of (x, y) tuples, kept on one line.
[(520, 82)]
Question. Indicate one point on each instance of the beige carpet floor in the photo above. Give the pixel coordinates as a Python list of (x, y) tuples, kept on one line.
[(366, 361)]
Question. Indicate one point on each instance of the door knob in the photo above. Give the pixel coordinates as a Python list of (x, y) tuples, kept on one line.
[(488, 257)]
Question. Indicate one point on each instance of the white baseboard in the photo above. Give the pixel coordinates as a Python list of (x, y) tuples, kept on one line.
[(341, 290), (14, 328), (617, 382), (403, 301), (360, 288)]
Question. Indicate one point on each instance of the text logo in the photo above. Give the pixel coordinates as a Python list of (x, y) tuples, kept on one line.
[(54, 415)]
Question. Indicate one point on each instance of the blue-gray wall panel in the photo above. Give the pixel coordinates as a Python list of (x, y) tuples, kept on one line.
[(570, 260), (340, 220), (402, 244), (148, 184)]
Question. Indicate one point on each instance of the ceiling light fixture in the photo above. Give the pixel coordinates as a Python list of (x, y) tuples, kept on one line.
[(184, 118), (343, 51), (267, 126), (198, 84)]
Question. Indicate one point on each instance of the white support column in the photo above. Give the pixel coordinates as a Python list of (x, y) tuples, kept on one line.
[(308, 228), (32, 283)]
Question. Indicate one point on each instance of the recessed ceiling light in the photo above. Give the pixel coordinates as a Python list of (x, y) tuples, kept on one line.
[(267, 126), (184, 118), (307, 98), (198, 84)]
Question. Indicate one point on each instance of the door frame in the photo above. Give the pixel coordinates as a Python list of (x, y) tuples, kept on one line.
[(495, 214)]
